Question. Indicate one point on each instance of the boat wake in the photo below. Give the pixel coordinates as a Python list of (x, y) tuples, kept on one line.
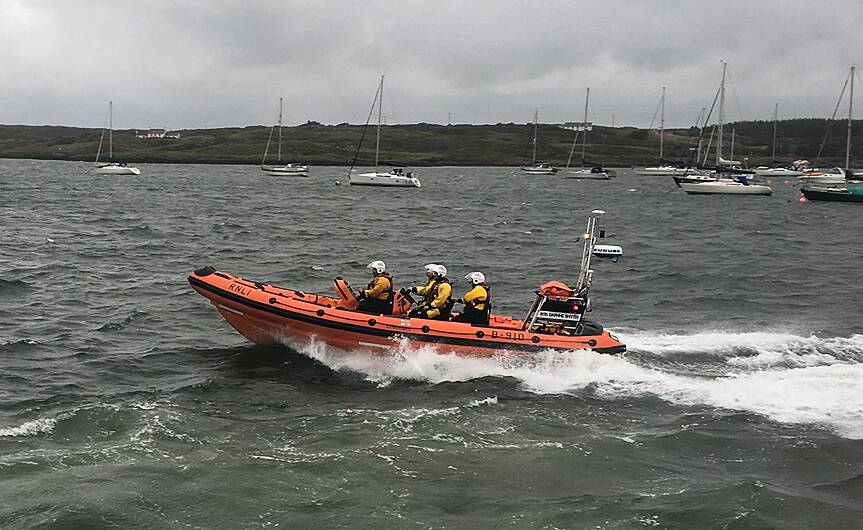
[(787, 378)]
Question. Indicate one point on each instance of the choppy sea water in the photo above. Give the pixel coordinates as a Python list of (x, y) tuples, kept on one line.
[(126, 401)]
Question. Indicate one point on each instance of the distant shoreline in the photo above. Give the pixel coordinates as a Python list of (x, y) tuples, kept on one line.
[(431, 145)]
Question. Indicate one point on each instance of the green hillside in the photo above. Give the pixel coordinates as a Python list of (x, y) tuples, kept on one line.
[(423, 144)]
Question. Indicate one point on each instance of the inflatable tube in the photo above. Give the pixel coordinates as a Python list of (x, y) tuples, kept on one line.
[(267, 315)]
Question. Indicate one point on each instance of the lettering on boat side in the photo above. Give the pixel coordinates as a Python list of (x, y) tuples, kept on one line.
[(239, 289), (507, 335)]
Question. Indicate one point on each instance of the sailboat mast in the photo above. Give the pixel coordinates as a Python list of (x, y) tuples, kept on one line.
[(773, 153), (280, 130), (850, 114), (380, 109), (111, 131), (721, 110), (584, 125), (662, 126), (535, 117), (732, 144)]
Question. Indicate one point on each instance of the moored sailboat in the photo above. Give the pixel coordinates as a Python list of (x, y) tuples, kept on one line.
[(535, 168), (396, 177), (112, 167), (594, 171), (280, 168), (846, 190), (717, 183)]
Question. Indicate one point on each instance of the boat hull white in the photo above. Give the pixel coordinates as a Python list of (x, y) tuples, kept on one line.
[(587, 174), (778, 172), (115, 169), (539, 170), (384, 179), (719, 187), (823, 179), (289, 170), (662, 171)]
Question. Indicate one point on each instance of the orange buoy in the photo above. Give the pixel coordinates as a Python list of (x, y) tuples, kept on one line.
[(802, 199)]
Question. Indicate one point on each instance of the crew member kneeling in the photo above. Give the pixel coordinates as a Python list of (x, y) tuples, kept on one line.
[(477, 301), (377, 297), (437, 295)]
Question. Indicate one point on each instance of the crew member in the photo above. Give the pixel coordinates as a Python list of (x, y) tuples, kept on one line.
[(477, 301), (377, 297), (437, 295)]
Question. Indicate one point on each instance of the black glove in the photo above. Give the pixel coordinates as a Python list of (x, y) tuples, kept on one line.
[(413, 290), (361, 295)]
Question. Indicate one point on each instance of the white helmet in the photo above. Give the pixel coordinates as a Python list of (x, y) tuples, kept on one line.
[(378, 266), (475, 278), (438, 270)]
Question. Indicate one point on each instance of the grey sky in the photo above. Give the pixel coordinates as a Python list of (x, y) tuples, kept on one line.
[(197, 63)]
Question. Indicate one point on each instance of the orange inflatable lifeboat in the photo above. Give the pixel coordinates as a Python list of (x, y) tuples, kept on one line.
[(270, 315)]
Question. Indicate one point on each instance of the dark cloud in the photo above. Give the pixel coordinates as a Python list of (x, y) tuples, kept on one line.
[(204, 63)]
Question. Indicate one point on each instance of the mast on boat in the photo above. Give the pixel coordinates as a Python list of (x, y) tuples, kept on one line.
[(584, 125), (773, 152), (732, 145), (721, 110), (850, 114), (535, 117), (661, 125), (280, 130), (111, 131), (380, 109)]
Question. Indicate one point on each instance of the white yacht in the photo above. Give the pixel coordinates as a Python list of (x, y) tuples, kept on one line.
[(111, 167), (539, 169), (535, 168), (586, 171), (396, 177), (280, 168), (721, 183)]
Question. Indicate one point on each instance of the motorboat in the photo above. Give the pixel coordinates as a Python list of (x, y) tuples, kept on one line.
[(271, 315), (539, 169), (394, 177)]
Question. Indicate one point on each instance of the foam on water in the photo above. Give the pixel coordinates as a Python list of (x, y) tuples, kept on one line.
[(757, 349), (822, 388), (30, 428)]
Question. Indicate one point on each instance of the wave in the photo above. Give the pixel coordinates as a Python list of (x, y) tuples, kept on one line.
[(30, 428), (13, 286), (756, 349), (826, 392)]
